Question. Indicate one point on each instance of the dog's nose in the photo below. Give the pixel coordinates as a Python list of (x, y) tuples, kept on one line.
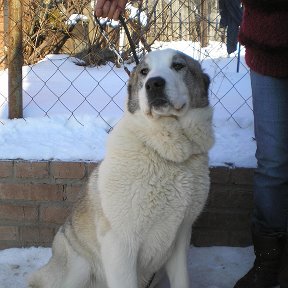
[(155, 83), (155, 88)]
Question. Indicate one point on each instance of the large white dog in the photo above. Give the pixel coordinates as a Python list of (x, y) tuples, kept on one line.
[(135, 219)]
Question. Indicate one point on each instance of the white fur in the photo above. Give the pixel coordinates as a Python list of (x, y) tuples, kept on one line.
[(136, 217), (175, 88)]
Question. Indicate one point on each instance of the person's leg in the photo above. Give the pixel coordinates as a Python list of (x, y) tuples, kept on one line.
[(270, 106), (270, 216)]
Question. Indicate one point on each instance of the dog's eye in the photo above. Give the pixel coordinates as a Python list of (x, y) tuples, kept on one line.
[(178, 66), (144, 71)]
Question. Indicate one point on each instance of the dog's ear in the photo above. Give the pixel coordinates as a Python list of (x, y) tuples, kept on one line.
[(198, 83), (132, 102), (206, 80)]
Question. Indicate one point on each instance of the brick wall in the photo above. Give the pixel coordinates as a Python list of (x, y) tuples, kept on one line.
[(226, 217), (36, 197)]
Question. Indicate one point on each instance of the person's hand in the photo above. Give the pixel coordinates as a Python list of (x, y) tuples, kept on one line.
[(109, 8)]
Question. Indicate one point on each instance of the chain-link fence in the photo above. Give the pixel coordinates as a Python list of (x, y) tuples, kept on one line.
[(70, 66)]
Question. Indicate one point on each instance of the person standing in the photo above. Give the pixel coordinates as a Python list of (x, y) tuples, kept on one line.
[(264, 33)]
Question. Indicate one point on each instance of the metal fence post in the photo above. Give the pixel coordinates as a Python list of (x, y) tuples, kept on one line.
[(15, 59)]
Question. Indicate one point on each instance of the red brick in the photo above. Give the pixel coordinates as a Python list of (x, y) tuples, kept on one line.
[(240, 238), (18, 213), (37, 234), (209, 237), (6, 244), (54, 214), (26, 169), (242, 176), (220, 174), (74, 192), (6, 169), (225, 220), (230, 196), (8, 233), (32, 192), (68, 170), (91, 167), (229, 220)]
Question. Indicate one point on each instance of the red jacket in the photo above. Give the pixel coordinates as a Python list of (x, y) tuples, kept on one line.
[(264, 33)]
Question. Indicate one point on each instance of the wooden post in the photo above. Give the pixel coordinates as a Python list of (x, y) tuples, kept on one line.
[(3, 32), (204, 23), (15, 59)]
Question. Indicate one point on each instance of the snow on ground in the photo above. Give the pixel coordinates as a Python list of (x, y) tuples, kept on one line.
[(71, 95), (56, 138), (53, 138), (210, 267)]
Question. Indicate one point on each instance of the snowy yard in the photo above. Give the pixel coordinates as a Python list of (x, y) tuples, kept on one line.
[(211, 267), (83, 138), (56, 86)]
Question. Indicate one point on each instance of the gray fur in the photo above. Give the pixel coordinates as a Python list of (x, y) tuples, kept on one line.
[(196, 80)]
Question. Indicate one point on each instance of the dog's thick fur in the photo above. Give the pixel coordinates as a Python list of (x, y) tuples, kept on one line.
[(135, 219)]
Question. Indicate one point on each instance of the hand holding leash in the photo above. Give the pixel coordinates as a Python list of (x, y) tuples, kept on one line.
[(109, 8), (101, 7)]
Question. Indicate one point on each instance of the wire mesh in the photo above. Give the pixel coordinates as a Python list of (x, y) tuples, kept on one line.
[(70, 68)]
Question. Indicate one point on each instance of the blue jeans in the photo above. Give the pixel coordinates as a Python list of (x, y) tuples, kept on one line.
[(270, 106)]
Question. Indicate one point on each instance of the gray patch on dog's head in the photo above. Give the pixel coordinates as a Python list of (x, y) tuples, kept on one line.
[(134, 85), (133, 103), (196, 80)]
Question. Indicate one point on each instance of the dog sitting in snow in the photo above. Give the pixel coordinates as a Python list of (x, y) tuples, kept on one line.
[(140, 203)]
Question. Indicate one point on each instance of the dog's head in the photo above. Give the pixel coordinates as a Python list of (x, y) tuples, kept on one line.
[(167, 83)]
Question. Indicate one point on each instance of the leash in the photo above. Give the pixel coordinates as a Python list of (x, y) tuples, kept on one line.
[(131, 43), (121, 60), (112, 46)]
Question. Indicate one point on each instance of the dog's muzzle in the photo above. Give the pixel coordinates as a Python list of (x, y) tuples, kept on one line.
[(155, 89)]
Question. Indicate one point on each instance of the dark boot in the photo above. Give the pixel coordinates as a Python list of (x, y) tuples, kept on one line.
[(265, 272), (283, 276)]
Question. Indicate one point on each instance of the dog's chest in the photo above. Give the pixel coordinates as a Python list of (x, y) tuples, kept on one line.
[(158, 242), (141, 194), (166, 199), (148, 198)]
